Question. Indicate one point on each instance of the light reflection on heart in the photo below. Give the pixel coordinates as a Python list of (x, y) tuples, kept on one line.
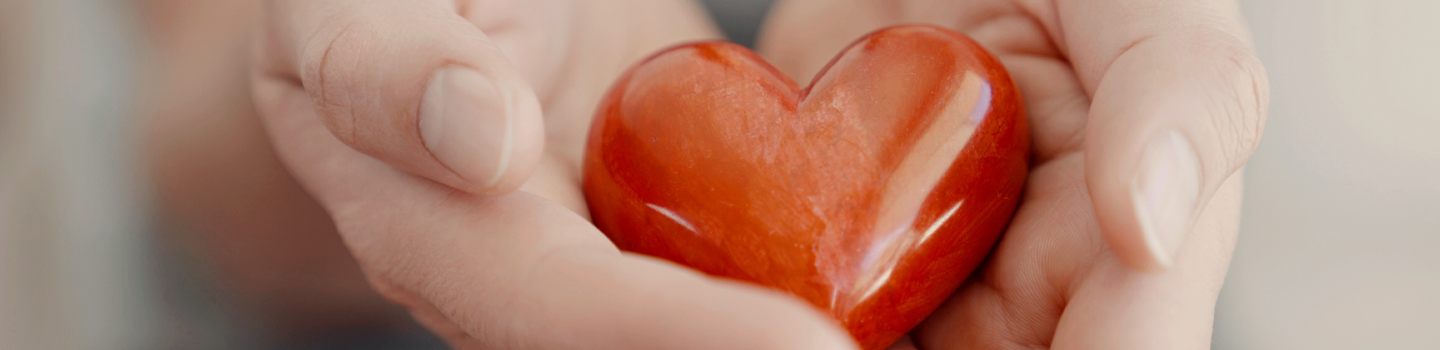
[(872, 194)]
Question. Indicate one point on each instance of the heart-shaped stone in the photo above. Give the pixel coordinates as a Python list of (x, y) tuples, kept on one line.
[(872, 194)]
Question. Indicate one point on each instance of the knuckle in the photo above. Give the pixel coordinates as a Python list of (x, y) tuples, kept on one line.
[(1238, 93), (326, 57)]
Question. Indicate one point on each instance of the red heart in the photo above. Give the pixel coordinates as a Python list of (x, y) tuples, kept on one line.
[(872, 194)]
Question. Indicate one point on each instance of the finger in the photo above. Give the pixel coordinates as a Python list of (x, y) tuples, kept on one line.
[(1123, 309), (1053, 284), (1179, 101), (570, 289), (411, 83), (517, 271)]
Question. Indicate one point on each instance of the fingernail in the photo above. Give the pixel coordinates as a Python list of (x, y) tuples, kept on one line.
[(467, 122), (1164, 191)]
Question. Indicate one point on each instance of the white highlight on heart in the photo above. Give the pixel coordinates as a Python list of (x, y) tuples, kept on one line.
[(912, 183), (935, 226), (673, 216)]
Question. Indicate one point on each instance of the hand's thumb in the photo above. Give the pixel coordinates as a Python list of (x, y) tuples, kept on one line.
[(1175, 114), (413, 84)]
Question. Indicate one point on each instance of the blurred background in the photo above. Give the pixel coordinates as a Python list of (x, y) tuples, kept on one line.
[(1337, 251)]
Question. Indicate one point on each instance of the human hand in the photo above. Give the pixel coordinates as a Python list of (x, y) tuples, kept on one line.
[(1142, 116), (415, 169)]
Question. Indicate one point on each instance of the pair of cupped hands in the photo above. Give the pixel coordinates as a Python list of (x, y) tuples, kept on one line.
[(444, 137)]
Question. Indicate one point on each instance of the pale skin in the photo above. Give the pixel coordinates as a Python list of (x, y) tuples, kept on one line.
[(1098, 78), (510, 260)]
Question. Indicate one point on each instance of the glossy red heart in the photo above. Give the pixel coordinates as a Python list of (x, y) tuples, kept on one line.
[(872, 194)]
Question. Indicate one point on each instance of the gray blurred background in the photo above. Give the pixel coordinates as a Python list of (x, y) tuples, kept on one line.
[(1337, 250)]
